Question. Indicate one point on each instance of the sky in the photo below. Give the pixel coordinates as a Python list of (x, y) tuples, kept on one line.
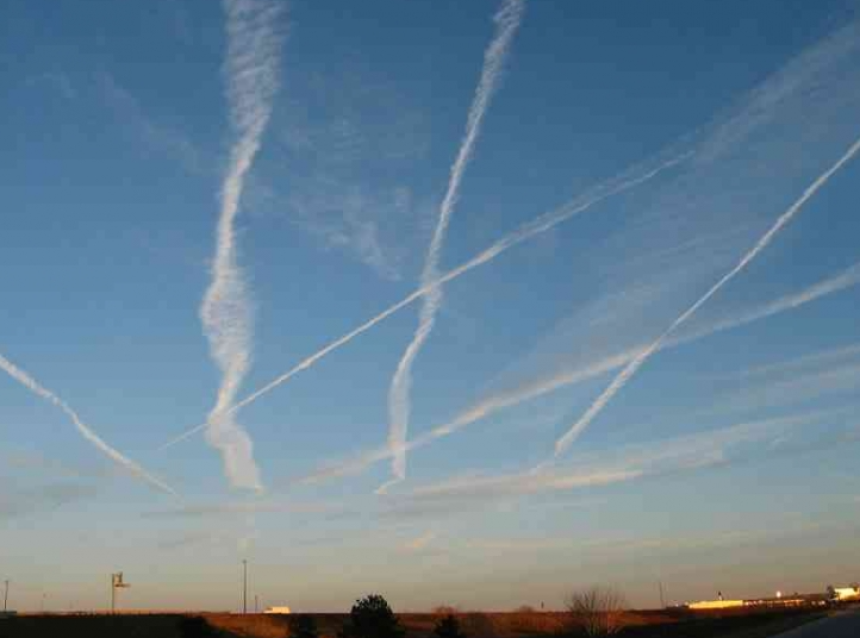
[(470, 304)]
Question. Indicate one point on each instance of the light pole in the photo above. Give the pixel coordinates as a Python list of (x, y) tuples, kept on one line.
[(6, 597), (244, 586)]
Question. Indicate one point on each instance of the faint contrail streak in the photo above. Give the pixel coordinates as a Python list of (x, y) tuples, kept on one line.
[(399, 406), (624, 376), (485, 407), (253, 49), (539, 225), (31, 384)]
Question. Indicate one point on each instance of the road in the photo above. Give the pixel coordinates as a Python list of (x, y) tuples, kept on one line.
[(842, 625)]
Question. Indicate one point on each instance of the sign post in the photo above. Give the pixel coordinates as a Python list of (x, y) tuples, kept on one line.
[(116, 582)]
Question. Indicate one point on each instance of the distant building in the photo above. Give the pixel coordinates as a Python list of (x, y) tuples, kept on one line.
[(844, 594), (715, 604), (789, 600), (783, 600), (277, 610)]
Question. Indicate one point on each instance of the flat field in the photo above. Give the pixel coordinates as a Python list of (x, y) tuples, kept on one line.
[(644, 624)]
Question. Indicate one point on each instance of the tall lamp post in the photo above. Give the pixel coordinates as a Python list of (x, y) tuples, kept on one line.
[(6, 597), (244, 586)]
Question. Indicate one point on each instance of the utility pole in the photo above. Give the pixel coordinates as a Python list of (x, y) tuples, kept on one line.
[(244, 586), (6, 597), (255, 603), (662, 598)]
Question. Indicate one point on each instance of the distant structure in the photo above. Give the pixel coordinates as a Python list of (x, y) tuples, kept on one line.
[(781, 600), (844, 594), (716, 604), (283, 609), (116, 582)]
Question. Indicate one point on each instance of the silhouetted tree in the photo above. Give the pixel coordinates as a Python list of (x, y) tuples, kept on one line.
[(371, 617), (303, 626), (195, 627), (448, 627), (597, 611)]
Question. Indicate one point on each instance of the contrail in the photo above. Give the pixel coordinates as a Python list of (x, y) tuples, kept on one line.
[(685, 453), (485, 407), (537, 226), (846, 279), (31, 384), (624, 376), (253, 51), (399, 405)]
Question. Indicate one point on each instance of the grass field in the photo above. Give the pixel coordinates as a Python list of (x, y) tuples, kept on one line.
[(476, 625)]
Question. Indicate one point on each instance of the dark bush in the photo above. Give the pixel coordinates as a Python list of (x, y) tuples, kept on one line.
[(371, 617), (597, 611), (448, 627), (195, 627)]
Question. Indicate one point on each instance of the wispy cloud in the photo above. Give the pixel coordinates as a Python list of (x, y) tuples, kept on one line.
[(352, 142), (153, 134), (563, 443), (672, 543), (796, 389), (585, 371), (121, 460), (626, 181), (419, 543), (823, 64), (253, 55), (399, 405), (354, 219), (234, 508), (824, 357), (631, 463), (20, 502), (848, 278), (39, 464)]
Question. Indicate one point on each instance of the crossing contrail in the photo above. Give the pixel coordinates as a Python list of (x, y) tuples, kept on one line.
[(537, 226), (130, 466), (253, 50), (399, 405), (631, 368), (503, 400)]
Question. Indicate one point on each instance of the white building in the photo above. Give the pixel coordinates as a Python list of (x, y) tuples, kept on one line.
[(845, 594), (704, 605), (283, 609)]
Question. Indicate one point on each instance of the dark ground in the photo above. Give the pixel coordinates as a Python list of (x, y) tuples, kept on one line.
[(755, 624)]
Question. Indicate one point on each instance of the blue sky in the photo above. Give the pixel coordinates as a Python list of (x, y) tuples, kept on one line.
[(624, 159)]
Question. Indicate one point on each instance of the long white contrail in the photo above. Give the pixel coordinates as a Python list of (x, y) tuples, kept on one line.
[(537, 226), (253, 52), (507, 20), (631, 368), (504, 400), (124, 462)]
